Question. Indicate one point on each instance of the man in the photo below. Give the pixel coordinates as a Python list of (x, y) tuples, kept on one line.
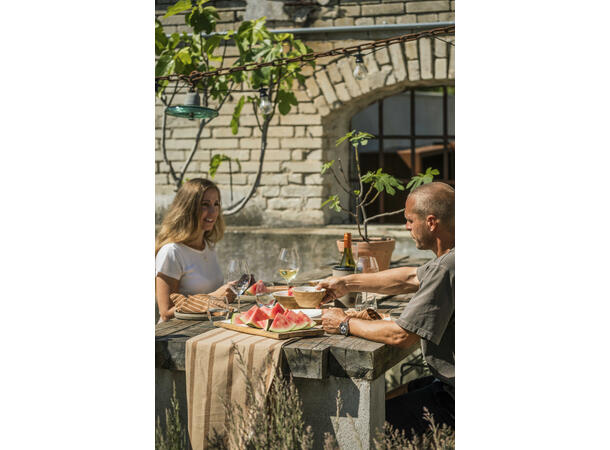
[(428, 318)]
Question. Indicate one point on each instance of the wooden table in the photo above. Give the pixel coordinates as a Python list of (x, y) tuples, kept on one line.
[(320, 366)]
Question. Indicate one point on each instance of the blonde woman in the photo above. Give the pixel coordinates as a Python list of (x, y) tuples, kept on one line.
[(186, 261)]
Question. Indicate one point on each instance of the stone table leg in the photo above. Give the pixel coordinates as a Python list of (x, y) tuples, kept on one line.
[(362, 414)]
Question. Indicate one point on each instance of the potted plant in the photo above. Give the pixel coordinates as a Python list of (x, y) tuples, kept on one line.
[(371, 185)]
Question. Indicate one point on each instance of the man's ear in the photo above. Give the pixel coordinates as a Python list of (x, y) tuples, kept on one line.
[(431, 222)]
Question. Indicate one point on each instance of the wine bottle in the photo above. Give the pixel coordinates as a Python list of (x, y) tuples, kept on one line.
[(348, 257)]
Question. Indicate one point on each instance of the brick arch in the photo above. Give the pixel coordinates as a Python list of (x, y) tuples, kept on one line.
[(414, 63)]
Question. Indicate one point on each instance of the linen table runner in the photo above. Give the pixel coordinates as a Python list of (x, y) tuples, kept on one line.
[(213, 373)]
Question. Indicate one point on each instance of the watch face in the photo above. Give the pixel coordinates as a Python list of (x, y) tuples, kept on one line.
[(343, 328)]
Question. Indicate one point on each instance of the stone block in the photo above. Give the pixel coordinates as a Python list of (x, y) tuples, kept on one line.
[(272, 179), (326, 12), (377, 80), (301, 95), (239, 179), (269, 191), (301, 142), (342, 93), (440, 68), (302, 166), (382, 56), (301, 119), (364, 21), (223, 121), (428, 6), (312, 87), (425, 58), (183, 133), (319, 23), (179, 144), (343, 22), (307, 108), (314, 203), (268, 166), (224, 143), (255, 143), (298, 191), (427, 18), (280, 131), (314, 131), (226, 16), (271, 155), (350, 11), (446, 17), (413, 70), (411, 50), (176, 155), (297, 155), (383, 9), (295, 178), (202, 155), (285, 203), (398, 63), (299, 131), (161, 178), (348, 75), (370, 62), (440, 48), (453, 6), (407, 18), (222, 132), (314, 155), (314, 179), (385, 20), (334, 74), (326, 87)]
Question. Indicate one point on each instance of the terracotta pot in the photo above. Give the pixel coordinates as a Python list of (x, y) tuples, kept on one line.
[(380, 248)]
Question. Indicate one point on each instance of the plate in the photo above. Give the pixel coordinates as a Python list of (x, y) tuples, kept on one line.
[(311, 313)]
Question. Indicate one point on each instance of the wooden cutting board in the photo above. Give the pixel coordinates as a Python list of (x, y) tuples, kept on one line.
[(270, 334)]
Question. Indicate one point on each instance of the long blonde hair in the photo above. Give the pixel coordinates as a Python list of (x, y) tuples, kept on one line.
[(181, 223)]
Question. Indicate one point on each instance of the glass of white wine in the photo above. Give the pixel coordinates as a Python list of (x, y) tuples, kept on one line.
[(367, 264), (288, 264)]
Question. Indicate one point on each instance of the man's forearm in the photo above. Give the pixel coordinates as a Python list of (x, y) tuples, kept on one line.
[(384, 331), (400, 280)]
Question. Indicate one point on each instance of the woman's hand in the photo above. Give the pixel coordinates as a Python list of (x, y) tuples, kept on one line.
[(225, 291), (165, 286)]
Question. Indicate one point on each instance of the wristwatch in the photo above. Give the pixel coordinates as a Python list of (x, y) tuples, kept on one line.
[(344, 327)]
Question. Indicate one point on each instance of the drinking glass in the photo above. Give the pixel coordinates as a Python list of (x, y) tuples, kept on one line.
[(238, 272), (288, 264), (367, 264)]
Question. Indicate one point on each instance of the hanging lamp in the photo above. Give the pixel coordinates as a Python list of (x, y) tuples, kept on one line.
[(192, 109)]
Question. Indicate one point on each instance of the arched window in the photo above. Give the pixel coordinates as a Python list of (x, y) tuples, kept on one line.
[(422, 119)]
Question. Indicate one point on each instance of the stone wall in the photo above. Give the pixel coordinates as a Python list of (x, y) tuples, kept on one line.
[(291, 189)]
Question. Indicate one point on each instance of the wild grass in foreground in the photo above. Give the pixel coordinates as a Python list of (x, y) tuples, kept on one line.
[(274, 421)]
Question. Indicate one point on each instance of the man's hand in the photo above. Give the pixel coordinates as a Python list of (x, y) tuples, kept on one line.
[(225, 291), (335, 288), (331, 318)]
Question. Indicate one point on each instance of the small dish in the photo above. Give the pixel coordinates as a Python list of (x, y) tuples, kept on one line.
[(308, 297)]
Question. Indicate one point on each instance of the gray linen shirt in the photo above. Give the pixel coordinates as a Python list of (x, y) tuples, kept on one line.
[(431, 315)]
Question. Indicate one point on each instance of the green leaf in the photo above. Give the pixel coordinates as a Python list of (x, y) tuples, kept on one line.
[(285, 100), (236, 114), (326, 166), (215, 163), (165, 65), (181, 5), (357, 191), (160, 38), (344, 137), (184, 55), (333, 203)]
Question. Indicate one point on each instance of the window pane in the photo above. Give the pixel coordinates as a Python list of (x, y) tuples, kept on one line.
[(428, 112), (397, 114), (367, 119)]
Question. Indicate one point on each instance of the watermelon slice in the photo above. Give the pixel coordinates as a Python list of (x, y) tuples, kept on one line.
[(267, 311), (236, 319), (304, 321), (254, 315), (277, 309), (281, 324), (257, 288), (263, 324), (292, 317)]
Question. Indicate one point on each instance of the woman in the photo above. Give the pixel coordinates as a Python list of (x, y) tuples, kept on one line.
[(186, 261)]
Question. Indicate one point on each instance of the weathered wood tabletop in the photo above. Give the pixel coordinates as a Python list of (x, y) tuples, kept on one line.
[(312, 357)]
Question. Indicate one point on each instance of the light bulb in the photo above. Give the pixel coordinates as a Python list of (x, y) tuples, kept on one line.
[(360, 71), (265, 105)]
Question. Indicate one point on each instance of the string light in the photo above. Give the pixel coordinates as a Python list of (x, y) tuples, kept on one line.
[(265, 104), (360, 71)]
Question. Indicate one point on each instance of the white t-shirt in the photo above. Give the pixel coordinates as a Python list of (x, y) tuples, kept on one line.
[(197, 270)]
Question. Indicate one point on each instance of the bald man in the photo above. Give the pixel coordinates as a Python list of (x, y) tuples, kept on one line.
[(427, 319)]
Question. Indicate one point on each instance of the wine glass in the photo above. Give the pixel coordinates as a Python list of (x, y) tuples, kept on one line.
[(238, 272), (288, 264), (367, 264)]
